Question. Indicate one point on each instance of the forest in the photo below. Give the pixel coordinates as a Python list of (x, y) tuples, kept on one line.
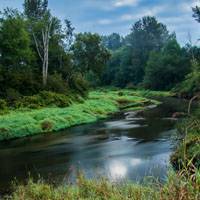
[(41, 53), (53, 78)]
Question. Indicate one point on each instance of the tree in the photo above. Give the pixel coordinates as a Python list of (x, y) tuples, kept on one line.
[(68, 34), (40, 24), (16, 55), (51, 41), (89, 53), (146, 35), (196, 15), (166, 68), (42, 46), (119, 69), (15, 43), (35, 9), (190, 87), (108, 76), (113, 41)]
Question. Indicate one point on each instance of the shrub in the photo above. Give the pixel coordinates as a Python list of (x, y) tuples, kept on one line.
[(131, 86), (12, 94), (44, 99), (191, 85), (4, 134), (80, 84), (3, 104), (57, 84)]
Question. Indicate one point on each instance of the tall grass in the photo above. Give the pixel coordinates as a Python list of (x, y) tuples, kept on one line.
[(176, 188)]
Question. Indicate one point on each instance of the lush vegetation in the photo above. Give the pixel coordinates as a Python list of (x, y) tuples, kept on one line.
[(57, 115), (176, 188), (47, 73), (150, 57), (39, 52), (187, 155)]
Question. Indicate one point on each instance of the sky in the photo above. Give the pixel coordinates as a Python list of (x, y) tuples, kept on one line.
[(108, 16)]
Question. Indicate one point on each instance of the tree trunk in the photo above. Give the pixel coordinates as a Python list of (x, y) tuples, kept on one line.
[(43, 52)]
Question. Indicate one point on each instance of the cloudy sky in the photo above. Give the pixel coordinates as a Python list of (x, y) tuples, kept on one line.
[(107, 16)]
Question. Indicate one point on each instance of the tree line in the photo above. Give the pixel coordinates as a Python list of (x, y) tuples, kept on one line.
[(40, 52), (150, 57)]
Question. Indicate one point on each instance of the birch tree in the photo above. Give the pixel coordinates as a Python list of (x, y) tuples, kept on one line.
[(43, 48)]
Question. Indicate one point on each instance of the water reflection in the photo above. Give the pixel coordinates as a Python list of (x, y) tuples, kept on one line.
[(117, 170), (122, 124), (135, 161)]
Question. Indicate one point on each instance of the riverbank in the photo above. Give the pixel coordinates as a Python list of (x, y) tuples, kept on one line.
[(98, 105), (180, 185), (176, 188), (186, 158)]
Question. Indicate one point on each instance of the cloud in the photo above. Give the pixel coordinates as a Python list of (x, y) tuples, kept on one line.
[(122, 3), (145, 12), (105, 21), (187, 6)]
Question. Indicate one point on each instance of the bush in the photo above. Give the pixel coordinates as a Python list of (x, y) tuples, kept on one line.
[(44, 99), (131, 86), (5, 134), (80, 84), (12, 95), (57, 84), (3, 104), (191, 85)]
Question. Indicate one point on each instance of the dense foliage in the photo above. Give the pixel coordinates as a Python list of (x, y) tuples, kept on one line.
[(166, 68), (151, 57), (39, 52)]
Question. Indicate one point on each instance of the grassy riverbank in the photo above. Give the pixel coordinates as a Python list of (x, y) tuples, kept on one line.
[(176, 188), (99, 104), (187, 156)]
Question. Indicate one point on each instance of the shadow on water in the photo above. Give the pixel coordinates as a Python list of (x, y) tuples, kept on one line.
[(127, 146)]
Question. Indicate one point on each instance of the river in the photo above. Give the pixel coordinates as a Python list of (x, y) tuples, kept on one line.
[(127, 146)]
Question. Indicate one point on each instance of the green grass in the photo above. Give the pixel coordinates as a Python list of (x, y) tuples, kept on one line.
[(98, 105), (176, 188), (187, 155)]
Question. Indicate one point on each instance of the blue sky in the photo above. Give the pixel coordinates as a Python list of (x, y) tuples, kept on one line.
[(107, 16)]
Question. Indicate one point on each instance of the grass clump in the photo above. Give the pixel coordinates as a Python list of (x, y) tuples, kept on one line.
[(47, 125)]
